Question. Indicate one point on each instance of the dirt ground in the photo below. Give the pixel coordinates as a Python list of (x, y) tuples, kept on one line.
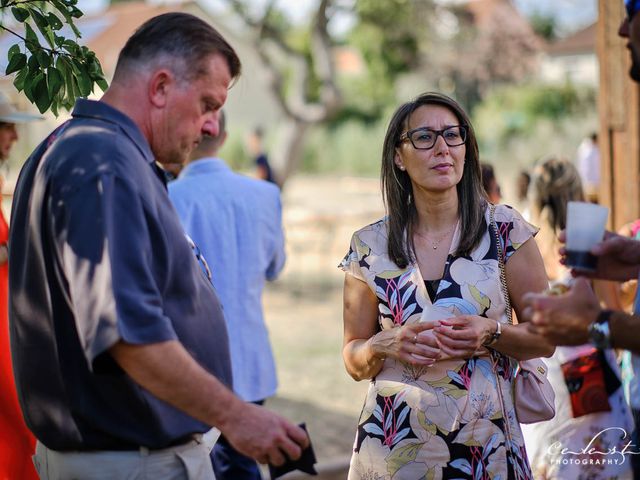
[(304, 308)]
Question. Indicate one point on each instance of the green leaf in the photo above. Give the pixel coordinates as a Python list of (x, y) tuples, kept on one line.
[(75, 88), (76, 12), (54, 81), (29, 83), (43, 25), (54, 21), (20, 14), (13, 50), (34, 66), (63, 9), (102, 83), (16, 62), (44, 58), (18, 82), (31, 42), (84, 80), (41, 94), (39, 19), (71, 47)]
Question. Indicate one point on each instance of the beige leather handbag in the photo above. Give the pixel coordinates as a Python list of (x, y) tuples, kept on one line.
[(533, 396)]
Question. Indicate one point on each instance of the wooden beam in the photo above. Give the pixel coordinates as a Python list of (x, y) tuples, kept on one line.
[(619, 112)]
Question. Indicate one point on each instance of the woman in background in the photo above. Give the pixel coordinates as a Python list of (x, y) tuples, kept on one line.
[(17, 443)]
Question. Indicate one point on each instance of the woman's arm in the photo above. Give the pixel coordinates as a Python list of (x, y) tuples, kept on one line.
[(364, 350), (525, 273)]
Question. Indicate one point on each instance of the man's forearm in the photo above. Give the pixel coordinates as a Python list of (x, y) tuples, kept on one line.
[(168, 371), (625, 331)]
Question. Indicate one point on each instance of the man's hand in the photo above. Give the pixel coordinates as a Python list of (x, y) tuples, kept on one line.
[(168, 371), (564, 319), (263, 435), (618, 258)]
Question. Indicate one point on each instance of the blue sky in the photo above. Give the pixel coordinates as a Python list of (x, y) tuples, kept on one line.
[(570, 14)]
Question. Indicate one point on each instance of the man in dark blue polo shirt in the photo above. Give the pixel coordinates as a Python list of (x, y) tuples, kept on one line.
[(118, 339)]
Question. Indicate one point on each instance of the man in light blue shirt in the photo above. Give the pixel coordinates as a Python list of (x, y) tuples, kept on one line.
[(237, 223)]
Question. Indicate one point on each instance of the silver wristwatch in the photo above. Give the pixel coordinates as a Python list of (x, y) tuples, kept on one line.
[(599, 332)]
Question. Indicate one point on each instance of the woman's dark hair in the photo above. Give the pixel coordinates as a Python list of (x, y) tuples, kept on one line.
[(556, 183), (398, 192), (182, 40)]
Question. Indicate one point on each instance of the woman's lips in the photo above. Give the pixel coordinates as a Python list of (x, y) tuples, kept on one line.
[(442, 167)]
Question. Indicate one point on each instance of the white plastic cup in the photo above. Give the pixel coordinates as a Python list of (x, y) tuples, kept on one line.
[(586, 224)]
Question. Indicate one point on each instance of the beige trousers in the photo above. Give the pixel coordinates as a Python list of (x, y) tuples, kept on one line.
[(189, 461)]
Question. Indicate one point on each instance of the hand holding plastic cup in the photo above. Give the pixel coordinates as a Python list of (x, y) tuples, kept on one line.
[(585, 228)]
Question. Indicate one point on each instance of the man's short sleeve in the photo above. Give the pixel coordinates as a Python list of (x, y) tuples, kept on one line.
[(102, 230)]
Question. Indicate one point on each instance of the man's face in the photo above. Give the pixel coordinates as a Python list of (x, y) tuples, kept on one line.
[(191, 110), (8, 137), (630, 29)]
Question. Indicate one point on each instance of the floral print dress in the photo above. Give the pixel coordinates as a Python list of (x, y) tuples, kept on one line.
[(445, 421)]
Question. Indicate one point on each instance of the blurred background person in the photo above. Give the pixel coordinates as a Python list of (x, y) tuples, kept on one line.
[(261, 160), (523, 180), (425, 313), (588, 163), (490, 183), (236, 221), (17, 443), (589, 396)]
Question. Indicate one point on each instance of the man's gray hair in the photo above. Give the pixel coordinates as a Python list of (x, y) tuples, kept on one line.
[(181, 41)]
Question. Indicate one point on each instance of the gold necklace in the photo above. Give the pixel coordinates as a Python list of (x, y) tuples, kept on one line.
[(436, 243)]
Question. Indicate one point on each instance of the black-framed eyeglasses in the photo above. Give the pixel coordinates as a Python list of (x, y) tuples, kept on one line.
[(424, 138), (632, 7)]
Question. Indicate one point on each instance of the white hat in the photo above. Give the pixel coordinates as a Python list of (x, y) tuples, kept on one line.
[(8, 113)]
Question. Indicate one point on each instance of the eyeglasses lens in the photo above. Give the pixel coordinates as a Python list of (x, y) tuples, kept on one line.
[(424, 138)]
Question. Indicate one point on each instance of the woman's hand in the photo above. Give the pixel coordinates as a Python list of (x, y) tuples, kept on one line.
[(414, 344), (462, 337)]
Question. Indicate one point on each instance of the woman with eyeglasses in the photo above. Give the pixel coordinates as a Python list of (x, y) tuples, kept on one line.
[(425, 314)]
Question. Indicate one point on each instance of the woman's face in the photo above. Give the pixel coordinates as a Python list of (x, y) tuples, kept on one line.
[(439, 168)]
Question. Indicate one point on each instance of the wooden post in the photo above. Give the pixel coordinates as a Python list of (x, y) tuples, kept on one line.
[(619, 112)]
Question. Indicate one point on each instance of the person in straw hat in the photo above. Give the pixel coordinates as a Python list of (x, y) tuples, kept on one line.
[(17, 443)]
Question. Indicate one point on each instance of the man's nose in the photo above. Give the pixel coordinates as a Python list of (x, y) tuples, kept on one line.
[(211, 126), (623, 31)]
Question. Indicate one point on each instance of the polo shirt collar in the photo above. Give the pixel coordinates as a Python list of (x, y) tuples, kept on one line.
[(205, 165), (105, 112)]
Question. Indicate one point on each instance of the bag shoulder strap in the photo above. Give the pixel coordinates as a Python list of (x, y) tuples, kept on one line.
[(501, 259)]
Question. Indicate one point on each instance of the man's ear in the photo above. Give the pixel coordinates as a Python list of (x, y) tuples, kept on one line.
[(160, 84)]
